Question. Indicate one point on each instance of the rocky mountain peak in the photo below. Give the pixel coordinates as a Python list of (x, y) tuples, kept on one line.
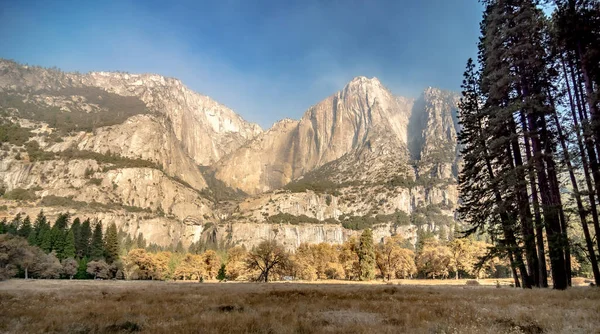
[(358, 153), (364, 81), (365, 88)]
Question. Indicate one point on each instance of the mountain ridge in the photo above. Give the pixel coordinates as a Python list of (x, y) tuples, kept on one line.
[(350, 157)]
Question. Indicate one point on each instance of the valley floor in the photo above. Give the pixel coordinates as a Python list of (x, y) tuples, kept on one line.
[(36, 306)]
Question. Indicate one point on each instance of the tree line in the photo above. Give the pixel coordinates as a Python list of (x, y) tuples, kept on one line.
[(531, 137), (71, 248), (65, 248)]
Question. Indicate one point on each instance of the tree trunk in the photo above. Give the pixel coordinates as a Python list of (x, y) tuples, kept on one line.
[(584, 162), (516, 256), (552, 221), (595, 118), (580, 208), (590, 152), (539, 225), (26, 273), (513, 267), (524, 208), (587, 135)]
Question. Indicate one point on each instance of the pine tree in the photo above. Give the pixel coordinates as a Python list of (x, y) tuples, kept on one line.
[(45, 239), (179, 248), (62, 221), (40, 224), (366, 256), (97, 243), (82, 269), (15, 224), (222, 275), (140, 241), (516, 109), (76, 228), (111, 245), (57, 239), (59, 234), (32, 238), (82, 245), (25, 228), (483, 207), (69, 248), (3, 226)]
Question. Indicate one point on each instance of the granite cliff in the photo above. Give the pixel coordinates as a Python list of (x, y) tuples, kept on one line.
[(155, 157)]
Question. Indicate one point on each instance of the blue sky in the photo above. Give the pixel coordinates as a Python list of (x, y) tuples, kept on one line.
[(267, 60)]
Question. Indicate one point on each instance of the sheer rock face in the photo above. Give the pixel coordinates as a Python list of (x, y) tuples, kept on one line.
[(142, 189), (438, 153), (207, 129), (141, 136), (291, 236), (343, 123), (361, 138)]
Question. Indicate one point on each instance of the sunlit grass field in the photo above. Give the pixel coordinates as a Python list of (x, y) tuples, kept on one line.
[(63, 306)]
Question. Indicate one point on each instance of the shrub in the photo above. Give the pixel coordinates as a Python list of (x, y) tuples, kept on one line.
[(108, 158), (14, 134), (20, 194), (116, 109), (95, 181), (35, 153), (52, 200), (472, 282), (286, 218)]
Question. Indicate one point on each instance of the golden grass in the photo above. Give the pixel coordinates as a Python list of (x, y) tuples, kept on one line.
[(163, 307)]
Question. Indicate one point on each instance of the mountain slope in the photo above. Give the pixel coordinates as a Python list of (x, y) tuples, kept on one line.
[(343, 122), (146, 152)]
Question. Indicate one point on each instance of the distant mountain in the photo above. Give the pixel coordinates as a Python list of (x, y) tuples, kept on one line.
[(153, 156)]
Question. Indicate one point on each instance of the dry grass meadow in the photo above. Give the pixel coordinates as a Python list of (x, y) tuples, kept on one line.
[(37, 306)]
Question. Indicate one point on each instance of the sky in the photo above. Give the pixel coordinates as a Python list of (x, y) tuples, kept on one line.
[(266, 60)]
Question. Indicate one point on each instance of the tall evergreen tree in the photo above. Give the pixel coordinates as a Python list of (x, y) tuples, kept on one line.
[(15, 224), (366, 256), (32, 238), (69, 248), (62, 221), (82, 243), (111, 244), (140, 241), (483, 206), (97, 243), (25, 228), (76, 227), (57, 239), (82, 268), (40, 224), (59, 233), (3, 226), (44, 239), (515, 142)]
